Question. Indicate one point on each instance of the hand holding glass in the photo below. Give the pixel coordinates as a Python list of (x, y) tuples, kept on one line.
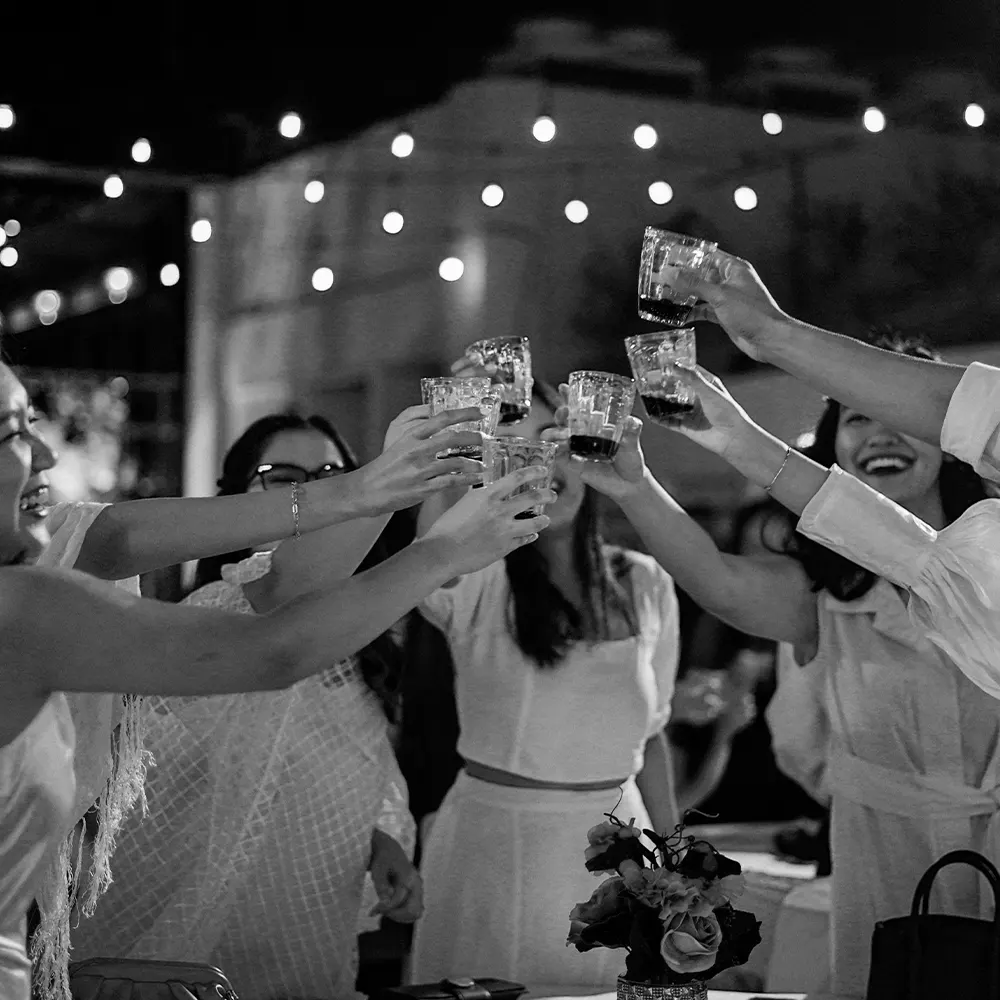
[(653, 357), (458, 393), (508, 359), (599, 404), (503, 455), (661, 249)]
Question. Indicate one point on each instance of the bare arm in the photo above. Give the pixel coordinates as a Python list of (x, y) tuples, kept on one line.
[(656, 784), (142, 535)]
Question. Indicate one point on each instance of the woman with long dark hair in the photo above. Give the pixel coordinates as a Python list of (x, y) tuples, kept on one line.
[(266, 810), (870, 713), (565, 657)]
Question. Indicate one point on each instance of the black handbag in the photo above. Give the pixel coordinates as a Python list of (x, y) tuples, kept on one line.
[(457, 988), (141, 979), (930, 956)]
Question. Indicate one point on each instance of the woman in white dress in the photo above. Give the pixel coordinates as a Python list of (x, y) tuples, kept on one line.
[(298, 791), (62, 631), (565, 659), (880, 721)]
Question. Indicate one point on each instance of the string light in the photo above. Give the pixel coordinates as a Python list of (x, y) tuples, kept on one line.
[(201, 231), (451, 269), (117, 296), (8, 257), (974, 115), (141, 151), (645, 136), (113, 186), (392, 222), (544, 129), (12, 227), (745, 198), (660, 192), (118, 279), (314, 192), (3, 237), (576, 211), (170, 274), (47, 319), (290, 125), (322, 279), (7, 118), (492, 195), (47, 301), (874, 120), (402, 145), (772, 123)]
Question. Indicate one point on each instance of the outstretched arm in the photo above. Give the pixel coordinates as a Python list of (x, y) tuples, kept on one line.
[(142, 535), (909, 394)]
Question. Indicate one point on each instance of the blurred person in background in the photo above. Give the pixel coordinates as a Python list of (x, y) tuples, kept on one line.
[(564, 663), (298, 789), (905, 745), (66, 632)]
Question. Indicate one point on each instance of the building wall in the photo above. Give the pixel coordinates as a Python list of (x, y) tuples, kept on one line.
[(263, 339)]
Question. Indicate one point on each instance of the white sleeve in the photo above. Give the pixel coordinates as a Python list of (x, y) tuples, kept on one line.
[(971, 428), (952, 575), (666, 648), (798, 722)]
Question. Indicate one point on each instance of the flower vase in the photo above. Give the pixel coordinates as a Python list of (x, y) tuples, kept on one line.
[(627, 990)]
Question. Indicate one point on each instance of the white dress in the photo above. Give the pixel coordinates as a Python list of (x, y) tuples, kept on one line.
[(504, 866), (952, 576), (255, 852), (905, 747), (36, 800)]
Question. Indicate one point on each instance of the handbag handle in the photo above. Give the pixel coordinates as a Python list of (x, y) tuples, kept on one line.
[(922, 896)]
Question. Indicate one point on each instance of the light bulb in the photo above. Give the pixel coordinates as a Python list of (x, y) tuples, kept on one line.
[(874, 120), (170, 274), (974, 115), (772, 123), (113, 186), (544, 129), (576, 211), (402, 145), (290, 125), (322, 279), (314, 192), (645, 136), (201, 231), (141, 151), (660, 192), (745, 198), (492, 195), (392, 222), (451, 269)]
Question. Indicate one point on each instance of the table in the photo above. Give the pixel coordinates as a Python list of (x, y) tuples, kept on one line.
[(540, 992)]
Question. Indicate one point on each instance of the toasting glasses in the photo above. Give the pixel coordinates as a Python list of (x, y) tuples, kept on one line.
[(503, 455), (509, 361), (457, 394), (653, 357), (662, 249), (599, 406)]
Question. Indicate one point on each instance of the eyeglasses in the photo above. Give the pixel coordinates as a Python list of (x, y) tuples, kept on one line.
[(282, 474)]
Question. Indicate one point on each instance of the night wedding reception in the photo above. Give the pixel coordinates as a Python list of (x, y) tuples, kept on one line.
[(515, 498)]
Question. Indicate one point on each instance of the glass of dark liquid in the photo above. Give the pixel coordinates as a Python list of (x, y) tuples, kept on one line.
[(654, 357), (662, 249), (508, 360), (599, 406), (505, 454), (458, 393)]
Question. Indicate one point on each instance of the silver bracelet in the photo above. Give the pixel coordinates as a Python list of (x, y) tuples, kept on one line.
[(781, 468), (295, 509)]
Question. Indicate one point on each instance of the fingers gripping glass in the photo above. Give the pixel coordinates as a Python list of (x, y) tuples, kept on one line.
[(654, 357), (509, 361), (281, 474), (504, 455), (599, 406)]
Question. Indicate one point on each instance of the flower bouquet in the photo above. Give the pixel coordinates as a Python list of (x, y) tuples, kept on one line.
[(669, 905)]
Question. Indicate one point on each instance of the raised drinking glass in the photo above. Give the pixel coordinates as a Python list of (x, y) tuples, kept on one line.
[(662, 249), (458, 393), (505, 454), (654, 358), (508, 359), (599, 406)]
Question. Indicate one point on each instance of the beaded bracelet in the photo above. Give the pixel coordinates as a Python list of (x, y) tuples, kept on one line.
[(295, 508)]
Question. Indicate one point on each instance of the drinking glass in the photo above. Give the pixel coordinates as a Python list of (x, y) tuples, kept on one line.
[(458, 393), (661, 248), (599, 405), (653, 357), (503, 455), (509, 361)]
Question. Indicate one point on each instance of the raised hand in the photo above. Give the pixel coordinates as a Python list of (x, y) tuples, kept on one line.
[(717, 421), (408, 470), (484, 525), (735, 298), (621, 477), (397, 882)]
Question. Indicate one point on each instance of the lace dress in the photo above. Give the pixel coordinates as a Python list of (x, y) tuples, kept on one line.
[(255, 852)]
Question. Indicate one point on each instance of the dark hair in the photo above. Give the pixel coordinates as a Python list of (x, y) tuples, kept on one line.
[(958, 483), (545, 624), (381, 660)]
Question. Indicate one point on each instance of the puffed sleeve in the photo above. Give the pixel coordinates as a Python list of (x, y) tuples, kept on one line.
[(952, 576), (664, 624), (797, 718), (453, 608), (971, 428)]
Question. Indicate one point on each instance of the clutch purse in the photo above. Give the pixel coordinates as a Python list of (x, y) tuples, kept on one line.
[(928, 956), (457, 988), (141, 979)]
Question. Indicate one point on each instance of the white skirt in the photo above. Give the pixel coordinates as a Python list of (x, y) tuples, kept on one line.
[(502, 869)]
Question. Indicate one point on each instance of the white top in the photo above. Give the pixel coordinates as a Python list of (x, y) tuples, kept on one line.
[(36, 801), (588, 718), (953, 575)]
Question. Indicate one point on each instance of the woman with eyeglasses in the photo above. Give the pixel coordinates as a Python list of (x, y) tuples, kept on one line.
[(267, 810)]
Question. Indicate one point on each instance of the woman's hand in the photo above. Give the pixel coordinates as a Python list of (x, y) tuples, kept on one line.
[(484, 525), (735, 298), (718, 422), (710, 697), (398, 884), (408, 470)]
